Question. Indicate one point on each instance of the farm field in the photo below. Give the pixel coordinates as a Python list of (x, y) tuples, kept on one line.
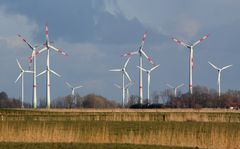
[(124, 128), (81, 146)]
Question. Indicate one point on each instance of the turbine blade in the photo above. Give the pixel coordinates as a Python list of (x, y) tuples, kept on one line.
[(19, 65), (116, 70), (125, 65), (118, 86), (148, 58), (127, 76), (226, 67), (215, 67), (24, 40), (59, 51), (129, 84), (169, 85), (179, 86), (69, 85), (55, 73), (41, 73), (200, 40), (30, 59), (18, 77), (27, 71), (154, 68), (46, 32), (143, 40), (142, 68), (43, 49), (130, 53), (181, 43), (77, 87)]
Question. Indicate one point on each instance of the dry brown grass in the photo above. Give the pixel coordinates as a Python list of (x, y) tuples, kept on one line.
[(205, 128), (186, 134)]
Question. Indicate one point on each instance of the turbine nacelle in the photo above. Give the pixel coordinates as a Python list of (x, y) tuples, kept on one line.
[(175, 88), (73, 88)]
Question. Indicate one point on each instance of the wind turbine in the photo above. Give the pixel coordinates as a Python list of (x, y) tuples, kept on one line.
[(126, 89), (219, 75), (148, 78), (190, 47), (124, 73), (47, 48), (140, 52), (32, 58), (73, 89), (175, 88), (22, 71)]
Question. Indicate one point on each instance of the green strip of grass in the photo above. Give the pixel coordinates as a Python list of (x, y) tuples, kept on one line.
[(8, 145)]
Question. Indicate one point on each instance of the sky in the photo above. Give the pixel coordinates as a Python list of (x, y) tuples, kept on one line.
[(95, 33)]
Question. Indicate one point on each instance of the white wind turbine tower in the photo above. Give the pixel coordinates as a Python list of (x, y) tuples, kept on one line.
[(219, 76), (33, 58), (73, 89), (148, 79), (190, 47), (22, 71), (47, 48), (126, 89), (175, 88), (124, 73), (140, 52)]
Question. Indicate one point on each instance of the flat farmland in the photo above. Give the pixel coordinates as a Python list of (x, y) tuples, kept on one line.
[(82, 146), (124, 128)]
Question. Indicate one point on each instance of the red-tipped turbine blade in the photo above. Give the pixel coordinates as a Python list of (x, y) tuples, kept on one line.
[(180, 42), (46, 31), (144, 37), (200, 40), (148, 58), (130, 53), (58, 50)]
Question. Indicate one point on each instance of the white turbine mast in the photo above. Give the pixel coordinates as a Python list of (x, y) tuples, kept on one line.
[(32, 59), (175, 88), (219, 76), (48, 70), (148, 79), (126, 89), (124, 73), (140, 52), (22, 71), (190, 47)]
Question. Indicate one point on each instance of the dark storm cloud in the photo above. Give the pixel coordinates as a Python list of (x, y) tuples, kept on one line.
[(79, 21)]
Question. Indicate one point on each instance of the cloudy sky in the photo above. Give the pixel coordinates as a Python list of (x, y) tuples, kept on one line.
[(96, 32)]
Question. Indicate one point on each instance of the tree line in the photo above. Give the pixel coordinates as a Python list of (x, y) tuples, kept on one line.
[(69, 101), (202, 97)]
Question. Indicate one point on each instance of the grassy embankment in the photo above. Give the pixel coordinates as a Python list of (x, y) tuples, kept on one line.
[(189, 128)]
